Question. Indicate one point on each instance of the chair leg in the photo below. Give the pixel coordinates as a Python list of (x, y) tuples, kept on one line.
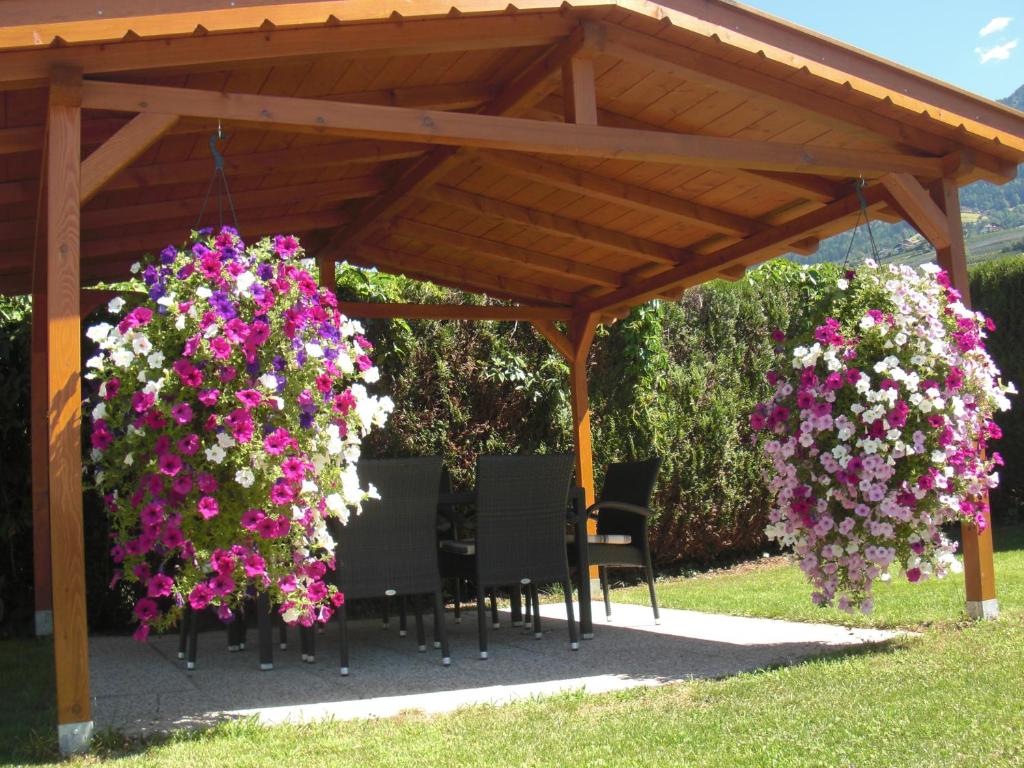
[(343, 628), (311, 633), (263, 625), (240, 619), (481, 620), (458, 600), (421, 635), (440, 630), (234, 643), (603, 571), (650, 585), (282, 634), (574, 641), (528, 615), (385, 620), (403, 618), (193, 639), (494, 609), (183, 631), (535, 597), (516, 598)]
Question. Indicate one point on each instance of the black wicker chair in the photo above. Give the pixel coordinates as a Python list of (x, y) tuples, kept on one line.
[(390, 550), (622, 513), (521, 504)]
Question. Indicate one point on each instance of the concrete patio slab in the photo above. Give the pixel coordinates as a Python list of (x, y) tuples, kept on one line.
[(140, 689)]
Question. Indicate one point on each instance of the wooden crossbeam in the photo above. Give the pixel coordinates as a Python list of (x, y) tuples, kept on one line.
[(410, 38), (628, 195), (524, 312), (522, 257), (471, 279), (921, 211), (562, 226), (531, 85), (705, 267), (457, 129)]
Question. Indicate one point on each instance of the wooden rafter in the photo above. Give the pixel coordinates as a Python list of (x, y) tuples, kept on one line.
[(580, 231), (472, 279), (531, 86), (32, 68), (485, 131), (579, 271), (526, 312), (610, 190), (742, 253)]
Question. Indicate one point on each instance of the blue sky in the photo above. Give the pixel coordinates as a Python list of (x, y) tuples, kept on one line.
[(941, 38)]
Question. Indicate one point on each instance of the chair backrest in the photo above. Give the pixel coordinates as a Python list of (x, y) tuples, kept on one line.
[(631, 482), (521, 512), (392, 544)]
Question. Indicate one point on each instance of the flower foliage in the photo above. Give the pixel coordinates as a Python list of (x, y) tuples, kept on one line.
[(226, 423), (877, 431)]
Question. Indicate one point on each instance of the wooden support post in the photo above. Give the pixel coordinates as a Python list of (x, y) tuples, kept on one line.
[(328, 273), (979, 565), (71, 640), (42, 588)]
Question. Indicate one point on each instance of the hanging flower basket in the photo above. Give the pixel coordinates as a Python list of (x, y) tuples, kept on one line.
[(226, 423), (877, 432)]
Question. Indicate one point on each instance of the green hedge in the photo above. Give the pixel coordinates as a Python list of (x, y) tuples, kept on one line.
[(673, 378)]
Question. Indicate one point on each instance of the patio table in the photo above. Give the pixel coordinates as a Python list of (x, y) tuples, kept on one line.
[(579, 522)]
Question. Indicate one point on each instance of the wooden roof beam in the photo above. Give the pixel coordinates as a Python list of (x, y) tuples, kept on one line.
[(530, 86), (553, 224), (638, 198), (525, 312), (521, 257), (471, 279), (743, 253), (31, 68), (456, 129)]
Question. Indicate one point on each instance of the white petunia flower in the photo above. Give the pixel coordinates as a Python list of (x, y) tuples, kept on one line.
[(215, 454), (116, 304), (245, 477), (99, 331)]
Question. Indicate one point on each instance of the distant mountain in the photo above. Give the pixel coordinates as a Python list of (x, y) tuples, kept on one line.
[(986, 207)]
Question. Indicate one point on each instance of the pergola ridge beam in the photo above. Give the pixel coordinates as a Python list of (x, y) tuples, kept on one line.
[(486, 131), (922, 212), (523, 257), (521, 312)]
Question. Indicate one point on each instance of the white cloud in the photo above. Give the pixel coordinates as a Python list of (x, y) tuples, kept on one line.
[(998, 24), (996, 52)]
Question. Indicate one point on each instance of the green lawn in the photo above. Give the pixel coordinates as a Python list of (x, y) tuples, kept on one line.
[(776, 589), (950, 696)]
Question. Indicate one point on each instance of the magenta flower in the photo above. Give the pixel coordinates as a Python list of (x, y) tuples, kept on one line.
[(249, 398), (208, 507), (277, 442), (160, 586), (207, 482), (188, 445), (182, 413), (251, 518), (281, 493), (200, 597), (255, 566), (170, 464), (222, 584), (146, 610)]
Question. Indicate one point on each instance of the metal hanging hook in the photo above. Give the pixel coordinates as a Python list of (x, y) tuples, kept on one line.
[(218, 158)]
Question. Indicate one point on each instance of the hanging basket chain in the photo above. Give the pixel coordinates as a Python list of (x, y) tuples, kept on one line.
[(858, 188), (221, 180)]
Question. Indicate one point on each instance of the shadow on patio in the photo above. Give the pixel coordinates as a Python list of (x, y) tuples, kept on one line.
[(143, 689)]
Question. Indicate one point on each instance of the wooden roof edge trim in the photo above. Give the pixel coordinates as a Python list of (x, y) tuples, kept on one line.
[(30, 68), (526, 312), (216, 19), (799, 48)]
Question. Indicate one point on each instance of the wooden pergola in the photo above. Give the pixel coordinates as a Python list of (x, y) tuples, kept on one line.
[(574, 160)]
